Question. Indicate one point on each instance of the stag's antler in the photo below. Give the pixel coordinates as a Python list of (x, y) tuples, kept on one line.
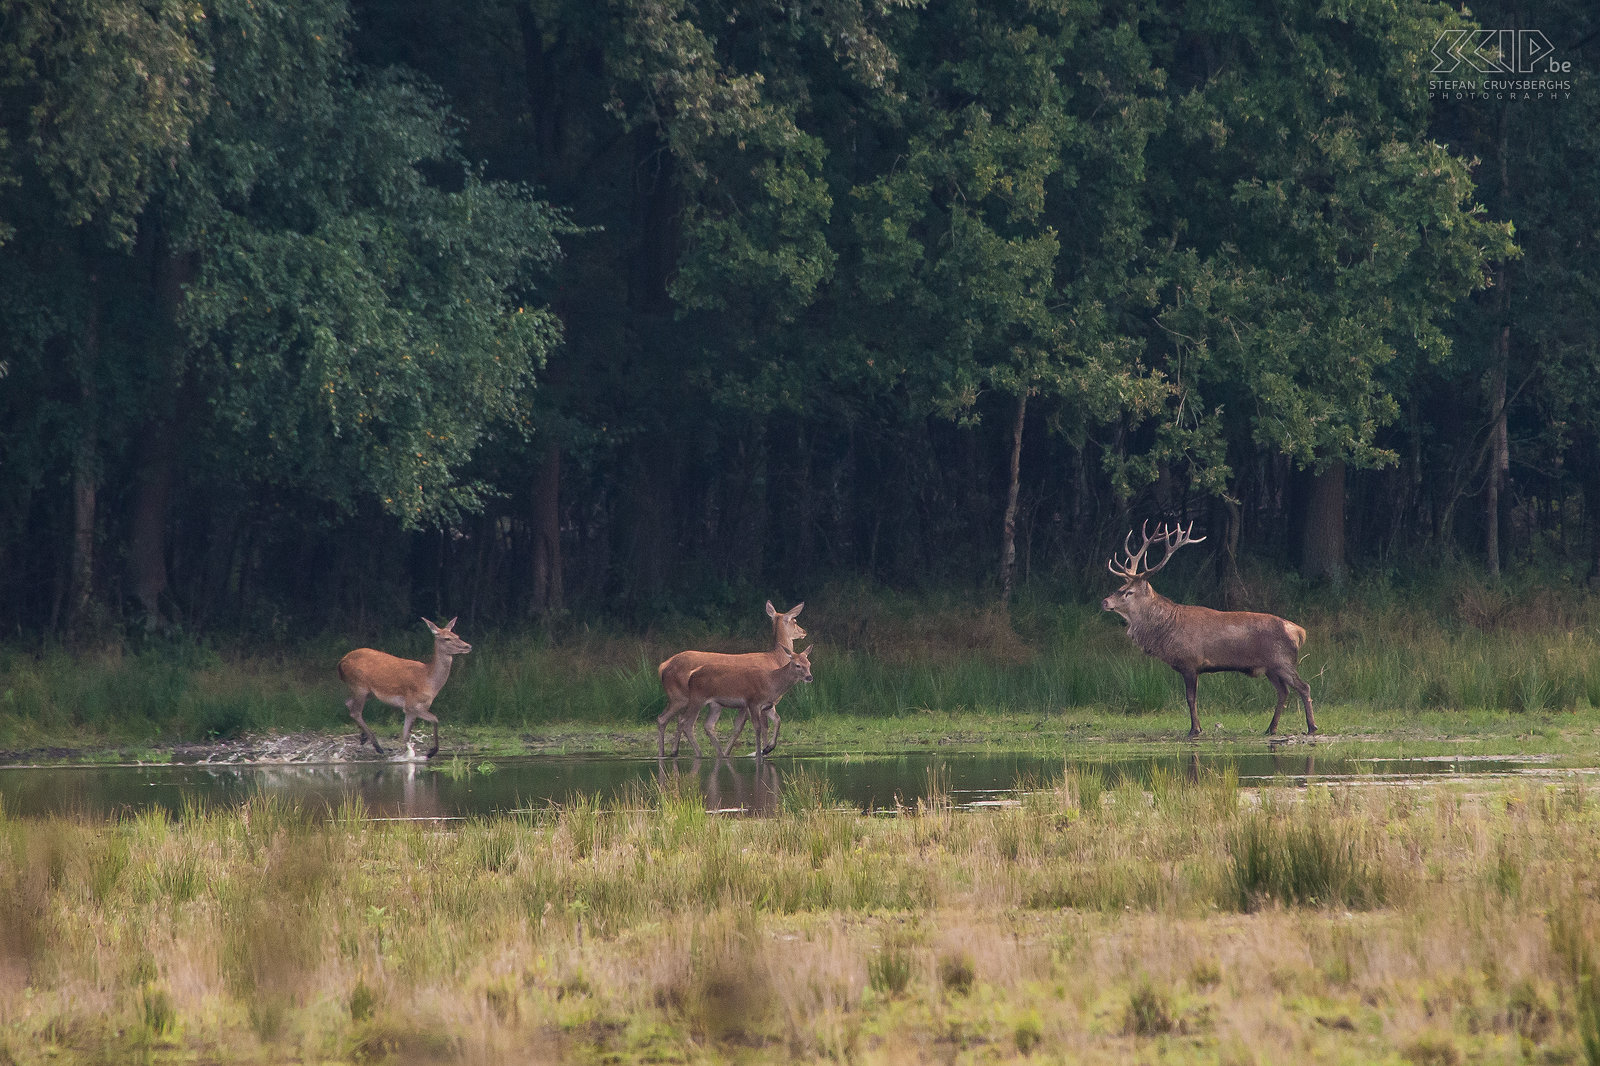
[(1170, 537)]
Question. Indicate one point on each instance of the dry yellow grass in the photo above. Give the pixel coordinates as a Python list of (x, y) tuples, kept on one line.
[(1127, 927)]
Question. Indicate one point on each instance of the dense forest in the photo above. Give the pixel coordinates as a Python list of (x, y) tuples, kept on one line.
[(325, 313)]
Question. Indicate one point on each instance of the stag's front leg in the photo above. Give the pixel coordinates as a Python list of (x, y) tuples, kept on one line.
[(1191, 685)]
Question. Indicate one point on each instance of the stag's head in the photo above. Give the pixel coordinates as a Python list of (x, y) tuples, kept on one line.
[(1133, 570), (445, 639)]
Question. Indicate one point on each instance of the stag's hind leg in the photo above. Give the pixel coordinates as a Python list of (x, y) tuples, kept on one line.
[(1305, 697), (1283, 682), (1283, 698)]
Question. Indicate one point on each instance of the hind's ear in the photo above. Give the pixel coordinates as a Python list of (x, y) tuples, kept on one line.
[(797, 608), (772, 612), (431, 627), (451, 625)]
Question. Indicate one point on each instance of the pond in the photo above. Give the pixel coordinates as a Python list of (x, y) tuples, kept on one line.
[(461, 789)]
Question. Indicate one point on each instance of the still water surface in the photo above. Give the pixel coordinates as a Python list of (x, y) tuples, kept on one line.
[(451, 790)]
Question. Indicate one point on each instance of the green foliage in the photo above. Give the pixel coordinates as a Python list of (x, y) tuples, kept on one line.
[(359, 328), (100, 97), (283, 284)]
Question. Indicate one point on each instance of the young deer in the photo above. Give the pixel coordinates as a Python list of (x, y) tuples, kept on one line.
[(1198, 640), (675, 673), (754, 690), (404, 683)]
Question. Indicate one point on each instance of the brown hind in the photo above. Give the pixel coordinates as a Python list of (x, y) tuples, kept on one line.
[(404, 683)]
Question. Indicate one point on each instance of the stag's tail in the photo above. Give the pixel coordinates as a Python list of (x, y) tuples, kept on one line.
[(1296, 634)]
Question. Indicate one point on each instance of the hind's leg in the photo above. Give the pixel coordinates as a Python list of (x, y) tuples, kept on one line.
[(738, 727), (777, 725), (675, 706), (355, 703), (711, 725), (429, 716)]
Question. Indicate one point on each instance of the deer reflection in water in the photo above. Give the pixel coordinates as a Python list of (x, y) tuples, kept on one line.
[(384, 790), (751, 787)]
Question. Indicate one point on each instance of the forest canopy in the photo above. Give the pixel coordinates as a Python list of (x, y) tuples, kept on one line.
[(517, 308)]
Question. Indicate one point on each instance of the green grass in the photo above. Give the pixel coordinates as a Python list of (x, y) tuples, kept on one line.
[(1186, 923), (1450, 660), (1388, 674)]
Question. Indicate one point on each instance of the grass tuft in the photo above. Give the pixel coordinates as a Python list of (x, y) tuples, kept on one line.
[(156, 1011), (362, 1001), (1311, 859), (957, 973), (889, 969), (1149, 1011)]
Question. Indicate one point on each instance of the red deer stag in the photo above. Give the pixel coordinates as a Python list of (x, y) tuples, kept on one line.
[(403, 683), (675, 673), (1198, 640)]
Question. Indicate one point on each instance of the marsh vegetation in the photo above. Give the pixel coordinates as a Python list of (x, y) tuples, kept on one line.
[(1096, 922), (1450, 658)]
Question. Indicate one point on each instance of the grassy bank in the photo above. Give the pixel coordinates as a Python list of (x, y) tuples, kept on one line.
[(1096, 923), (1450, 659)]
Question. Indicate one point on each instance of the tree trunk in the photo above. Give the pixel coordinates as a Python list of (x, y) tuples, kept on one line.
[(805, 508), (157, 448), (1008, 535), (547, 587), (1228, 514), (147, 541), (1322, 536), (1499, 446), (85, 471), (1499, 453), (83, 507)]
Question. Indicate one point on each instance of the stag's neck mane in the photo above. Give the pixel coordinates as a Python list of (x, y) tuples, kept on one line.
[(1152, 626)]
